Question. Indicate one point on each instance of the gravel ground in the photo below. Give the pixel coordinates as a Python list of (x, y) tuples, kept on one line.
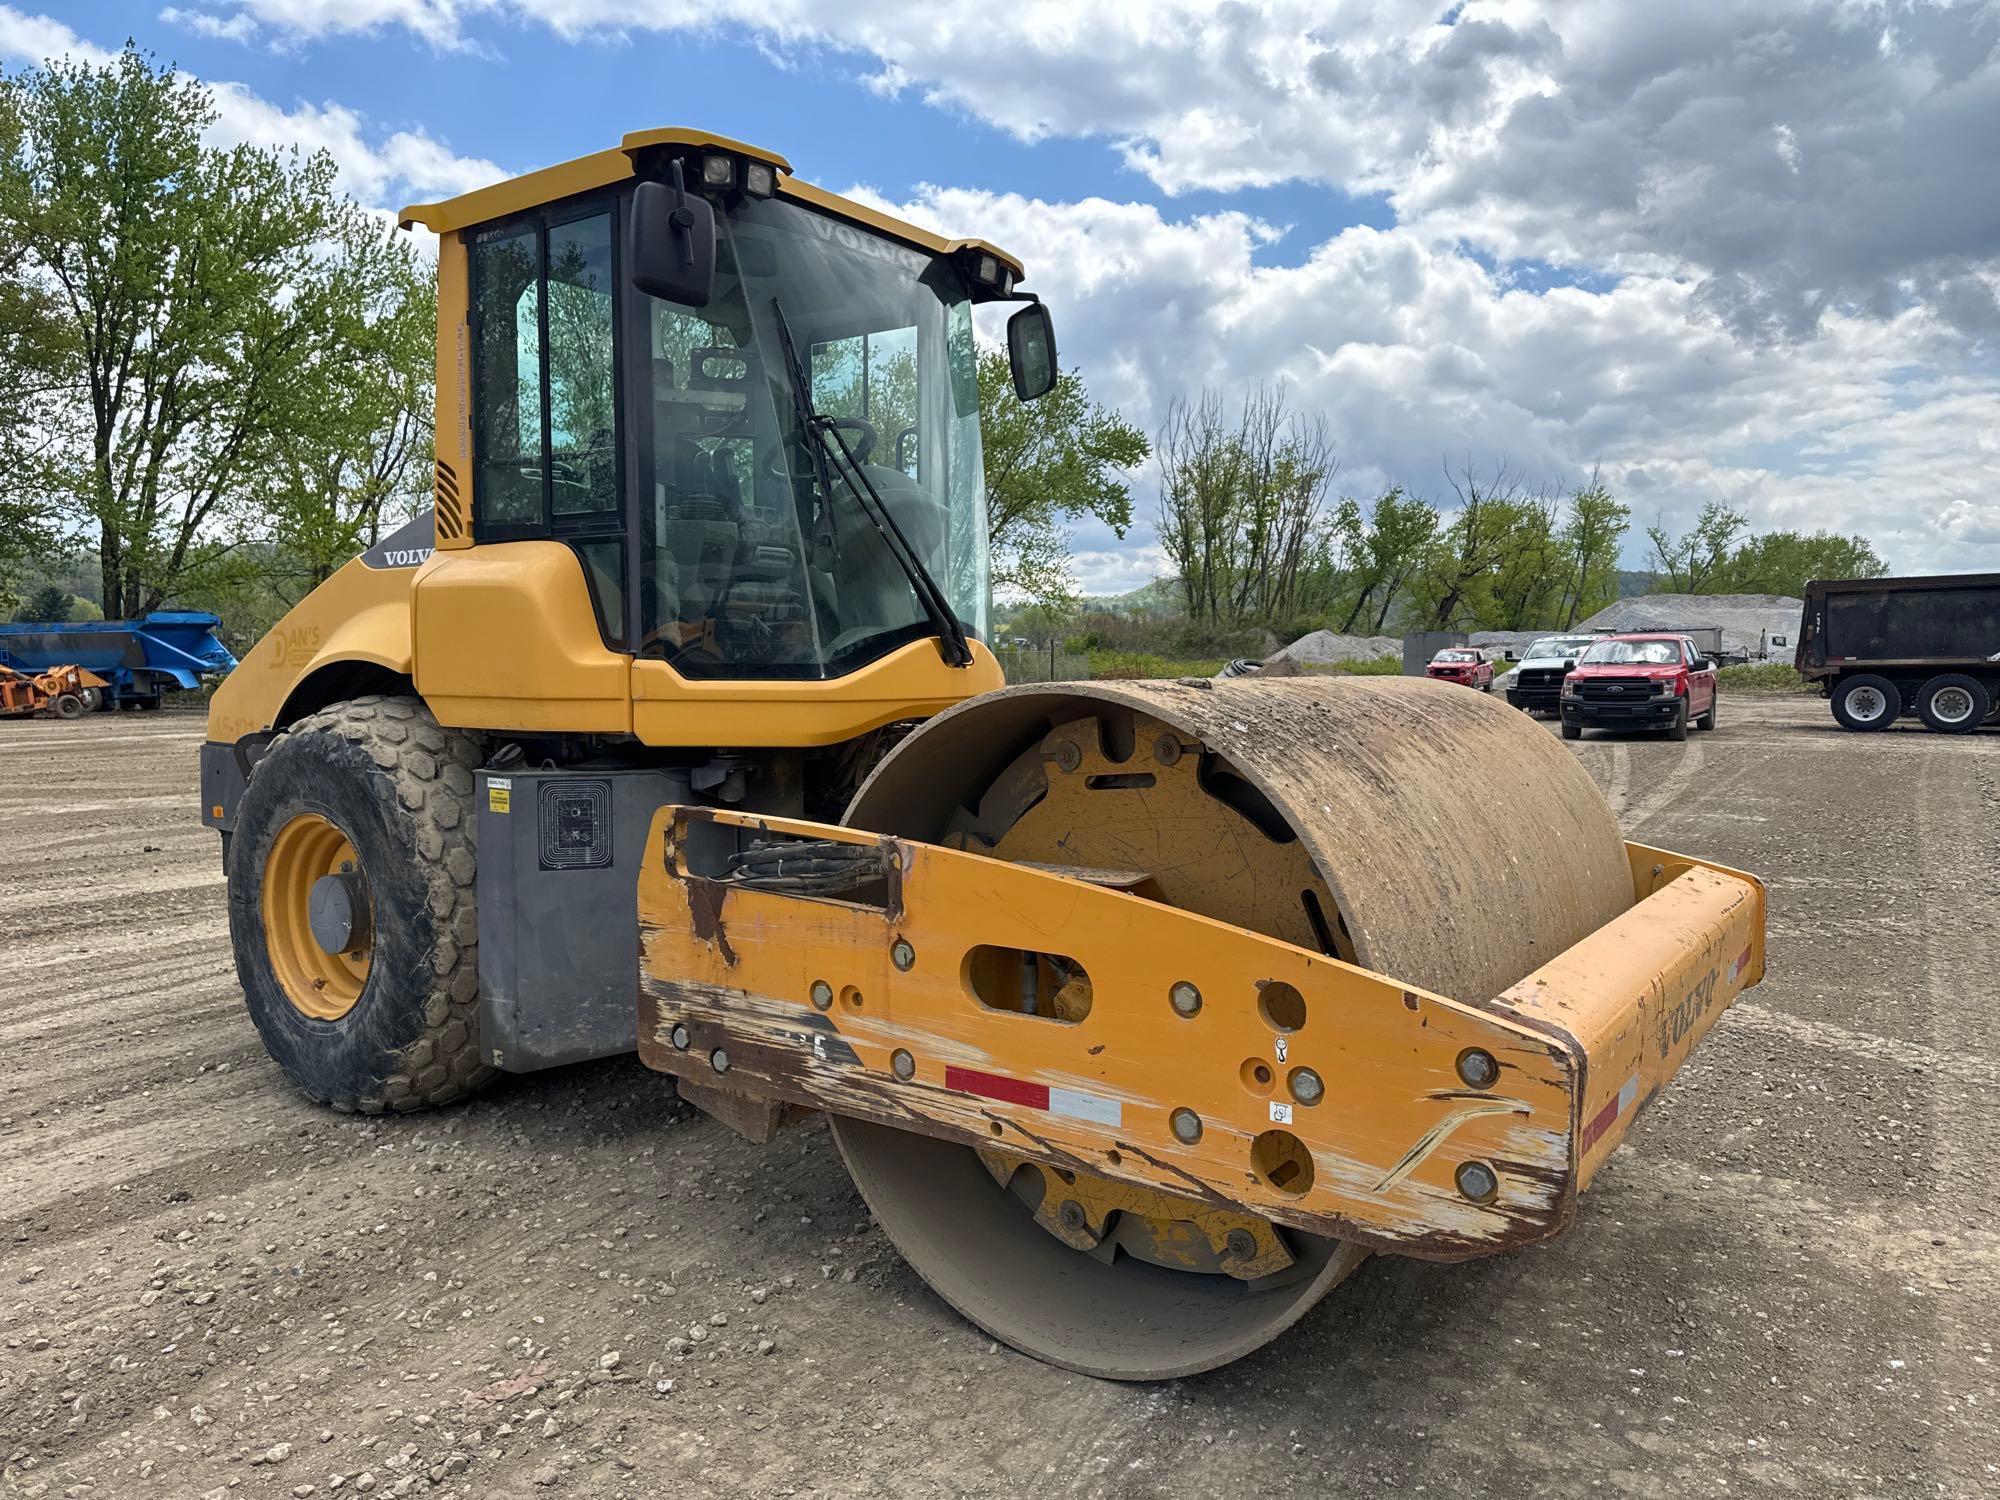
[(1787, 1284)]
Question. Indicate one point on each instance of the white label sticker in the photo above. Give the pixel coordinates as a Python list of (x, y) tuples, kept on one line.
[(505, 783), (1284, 1049), (1281, 1114)]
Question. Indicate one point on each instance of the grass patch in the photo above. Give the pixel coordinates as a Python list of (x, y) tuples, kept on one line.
[(1130, 665), (1380, 666), (1767, 679)]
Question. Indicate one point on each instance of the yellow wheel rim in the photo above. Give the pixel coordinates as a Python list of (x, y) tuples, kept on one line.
[(319, 984)]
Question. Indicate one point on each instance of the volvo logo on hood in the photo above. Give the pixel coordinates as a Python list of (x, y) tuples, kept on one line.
[(405, 547)]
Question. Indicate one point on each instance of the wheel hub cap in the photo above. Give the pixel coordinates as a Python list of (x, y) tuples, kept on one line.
[(338, 911), (318, 917)]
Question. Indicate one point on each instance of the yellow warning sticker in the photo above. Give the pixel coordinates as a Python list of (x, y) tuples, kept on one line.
[(499, 794)]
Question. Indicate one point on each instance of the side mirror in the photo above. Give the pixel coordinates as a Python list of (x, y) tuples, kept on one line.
[(670, 242), (1031, 351), (1704, 664), (1510, 656)]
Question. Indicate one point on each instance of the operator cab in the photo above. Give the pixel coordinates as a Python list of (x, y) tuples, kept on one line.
[(755, 420)]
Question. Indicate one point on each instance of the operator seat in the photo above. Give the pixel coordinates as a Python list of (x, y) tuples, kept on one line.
[(870, 588)]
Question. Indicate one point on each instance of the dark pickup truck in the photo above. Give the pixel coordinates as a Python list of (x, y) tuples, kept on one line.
[(1881, 648)]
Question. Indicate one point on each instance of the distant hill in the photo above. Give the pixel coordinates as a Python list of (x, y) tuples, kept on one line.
[(1160, 597), (1636, 581)]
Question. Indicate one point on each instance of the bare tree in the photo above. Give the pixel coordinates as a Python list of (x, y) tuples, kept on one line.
[(1201, 467), (1241, 504)]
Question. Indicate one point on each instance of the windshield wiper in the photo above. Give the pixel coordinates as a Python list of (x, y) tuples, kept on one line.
[(825, 440)]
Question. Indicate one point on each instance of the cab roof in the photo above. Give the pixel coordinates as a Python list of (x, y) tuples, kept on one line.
[(602, 168)]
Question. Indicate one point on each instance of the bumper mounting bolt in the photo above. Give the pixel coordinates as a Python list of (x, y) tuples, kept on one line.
[(719, 1060), (904, 1064), (1306, 1086), (1477, 1182), (1187, 1126), (679, 1037), (903, 955), (1477, 1068), (1184, 998), (822, 995)]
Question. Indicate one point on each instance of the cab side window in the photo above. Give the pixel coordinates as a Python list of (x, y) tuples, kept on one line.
[(545, 404), (507, 423), (583, 407)]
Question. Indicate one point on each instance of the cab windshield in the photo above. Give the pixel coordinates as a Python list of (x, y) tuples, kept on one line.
[(1555, 647), (747, 568), (1633, 653)]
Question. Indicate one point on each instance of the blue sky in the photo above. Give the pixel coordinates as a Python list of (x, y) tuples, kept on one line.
[(516, 98), (1747, 253)]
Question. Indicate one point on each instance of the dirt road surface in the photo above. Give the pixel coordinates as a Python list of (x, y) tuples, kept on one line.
[(1788, 1283)]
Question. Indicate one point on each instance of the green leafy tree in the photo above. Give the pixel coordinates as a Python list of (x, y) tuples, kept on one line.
[(1454, 583), (35, 360), (343, 474), (1697, 561), (1526, 588), (1048, 462), (49, 602), (1592, 535), (203, 295), (1387, 550), (1783, 562)]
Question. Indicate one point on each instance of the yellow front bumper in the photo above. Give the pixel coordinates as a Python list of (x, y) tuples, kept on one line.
[(1438, 1128), (1634, 997)]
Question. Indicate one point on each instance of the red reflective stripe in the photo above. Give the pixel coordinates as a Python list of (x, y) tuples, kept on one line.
[(994, 1086), (1602, 1123)]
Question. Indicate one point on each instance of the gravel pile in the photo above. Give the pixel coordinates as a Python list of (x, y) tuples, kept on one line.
[(1747, 620), (1325, 646)]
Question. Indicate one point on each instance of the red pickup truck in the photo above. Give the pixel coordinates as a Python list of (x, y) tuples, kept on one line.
[(1463, 665), (1639, 682)]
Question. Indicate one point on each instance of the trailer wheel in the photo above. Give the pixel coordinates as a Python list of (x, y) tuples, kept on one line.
[(68, 706), (1867, 702), (351, 906), (1952, 703)]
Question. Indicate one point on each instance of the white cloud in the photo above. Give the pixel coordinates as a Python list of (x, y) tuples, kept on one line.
[(1420, 357), (241, 27), (1795, 154), (35, 39), (383, 171)]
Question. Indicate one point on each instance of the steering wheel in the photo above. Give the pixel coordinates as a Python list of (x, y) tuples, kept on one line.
[(861, 444)]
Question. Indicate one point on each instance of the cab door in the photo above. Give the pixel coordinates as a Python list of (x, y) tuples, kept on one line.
[(1701, 678), (528, 627)]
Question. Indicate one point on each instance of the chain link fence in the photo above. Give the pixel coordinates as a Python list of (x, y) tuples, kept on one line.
[(1043, 664)]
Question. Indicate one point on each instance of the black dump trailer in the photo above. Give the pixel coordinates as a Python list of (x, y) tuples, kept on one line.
[(1881, 648)]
